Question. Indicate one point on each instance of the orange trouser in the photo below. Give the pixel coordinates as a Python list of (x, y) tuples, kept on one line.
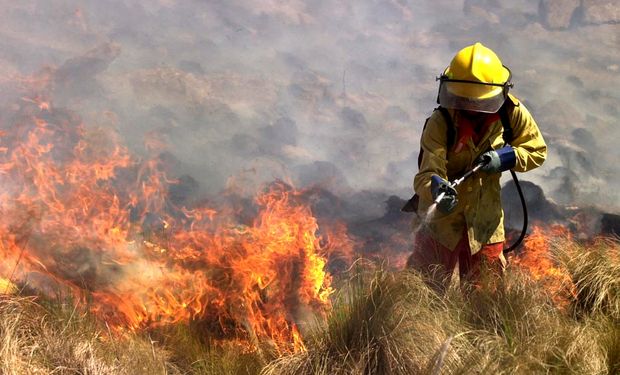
[(436, 262)]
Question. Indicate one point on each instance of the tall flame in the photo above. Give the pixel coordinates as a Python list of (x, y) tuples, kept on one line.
[(80, 213)]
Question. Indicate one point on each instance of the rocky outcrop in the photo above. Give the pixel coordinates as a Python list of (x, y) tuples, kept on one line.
[(515, 13), (559, 14), (610, 224), (601, 11), (540, 208)]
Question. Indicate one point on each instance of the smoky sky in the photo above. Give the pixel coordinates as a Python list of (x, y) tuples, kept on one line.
[(317, 92)]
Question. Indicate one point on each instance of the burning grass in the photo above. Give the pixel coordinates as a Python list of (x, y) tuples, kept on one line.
[(83, 216), (382, 322)]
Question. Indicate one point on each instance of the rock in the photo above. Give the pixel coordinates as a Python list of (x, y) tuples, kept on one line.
[(85, 67), (353, 118), (558, 14), (610, 224), (323, 174), (283, 132), (480, 10), (539, 208), (601, 11), (76, 77), (515, 13), (193, 67)]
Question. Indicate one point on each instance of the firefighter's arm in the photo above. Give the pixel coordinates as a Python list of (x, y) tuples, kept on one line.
[(433, 143), (528, 143)]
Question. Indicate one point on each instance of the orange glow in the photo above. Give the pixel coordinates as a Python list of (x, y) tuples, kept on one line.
[(81, 215), (535, 257)]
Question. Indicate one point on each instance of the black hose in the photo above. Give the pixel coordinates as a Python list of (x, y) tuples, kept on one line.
[(524, 206)]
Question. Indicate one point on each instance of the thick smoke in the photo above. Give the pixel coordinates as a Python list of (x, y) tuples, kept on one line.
[(327, 92)]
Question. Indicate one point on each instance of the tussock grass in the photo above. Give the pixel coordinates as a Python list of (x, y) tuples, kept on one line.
[(39, 336), (392, 323), (370, 329), (44, 338), (196, 353), (595, 271), (383, 322)]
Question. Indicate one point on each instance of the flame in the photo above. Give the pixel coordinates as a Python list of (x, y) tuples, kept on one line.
[(537, 260), (7, 287), (81, 214)]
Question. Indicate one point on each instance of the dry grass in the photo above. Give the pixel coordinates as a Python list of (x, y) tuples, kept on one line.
[(382, 323), (370, 330), (196, 353), (56, 339), (48, 337), (595, 271), (391, 323)]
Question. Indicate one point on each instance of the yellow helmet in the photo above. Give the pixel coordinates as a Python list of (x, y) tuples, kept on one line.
[(476, 80)]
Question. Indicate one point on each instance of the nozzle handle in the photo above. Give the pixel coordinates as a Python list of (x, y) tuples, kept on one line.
[(475, 169), (459, 180), (439, 197)]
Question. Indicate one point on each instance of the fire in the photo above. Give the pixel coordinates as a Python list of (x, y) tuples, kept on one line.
[(81, 214), (537, 260), (7, 287)]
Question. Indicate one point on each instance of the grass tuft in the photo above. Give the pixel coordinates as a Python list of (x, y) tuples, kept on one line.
[(595, 271)]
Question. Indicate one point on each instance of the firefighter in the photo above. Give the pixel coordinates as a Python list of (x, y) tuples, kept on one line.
[(467, 226)]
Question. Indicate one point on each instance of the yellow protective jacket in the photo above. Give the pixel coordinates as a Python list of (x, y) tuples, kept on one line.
[(479, 207)]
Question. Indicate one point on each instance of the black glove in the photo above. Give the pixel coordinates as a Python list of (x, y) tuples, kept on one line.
[(449, 200), (498, 160)]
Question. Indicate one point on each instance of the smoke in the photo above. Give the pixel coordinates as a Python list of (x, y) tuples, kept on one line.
[(332, 93)]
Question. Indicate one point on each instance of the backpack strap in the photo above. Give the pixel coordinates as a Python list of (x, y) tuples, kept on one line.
[(412, 204), (421, 152), (450, 135), (451, 131), (508, 134)]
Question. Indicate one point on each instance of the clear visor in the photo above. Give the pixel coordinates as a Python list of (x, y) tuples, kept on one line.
[(489, 104)]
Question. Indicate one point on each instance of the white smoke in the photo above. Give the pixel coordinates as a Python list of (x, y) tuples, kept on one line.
[(325, 91)]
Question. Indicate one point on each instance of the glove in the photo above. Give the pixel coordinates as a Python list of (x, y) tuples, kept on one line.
[(498, 160), (449, 200)]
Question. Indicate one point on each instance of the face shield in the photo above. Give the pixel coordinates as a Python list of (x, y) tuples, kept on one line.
[(472, 95)]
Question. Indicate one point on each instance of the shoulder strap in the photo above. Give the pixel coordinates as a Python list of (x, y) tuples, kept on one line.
[(505, 118), (451, 132), (421, 152)]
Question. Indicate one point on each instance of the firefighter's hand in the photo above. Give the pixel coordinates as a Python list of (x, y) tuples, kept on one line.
[(498, 160), (448, 201)]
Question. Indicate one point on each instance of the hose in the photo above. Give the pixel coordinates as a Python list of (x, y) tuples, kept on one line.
[(524, 206)]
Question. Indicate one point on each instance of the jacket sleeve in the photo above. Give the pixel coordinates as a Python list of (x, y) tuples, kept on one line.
[(528, 143), (433, 144)]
